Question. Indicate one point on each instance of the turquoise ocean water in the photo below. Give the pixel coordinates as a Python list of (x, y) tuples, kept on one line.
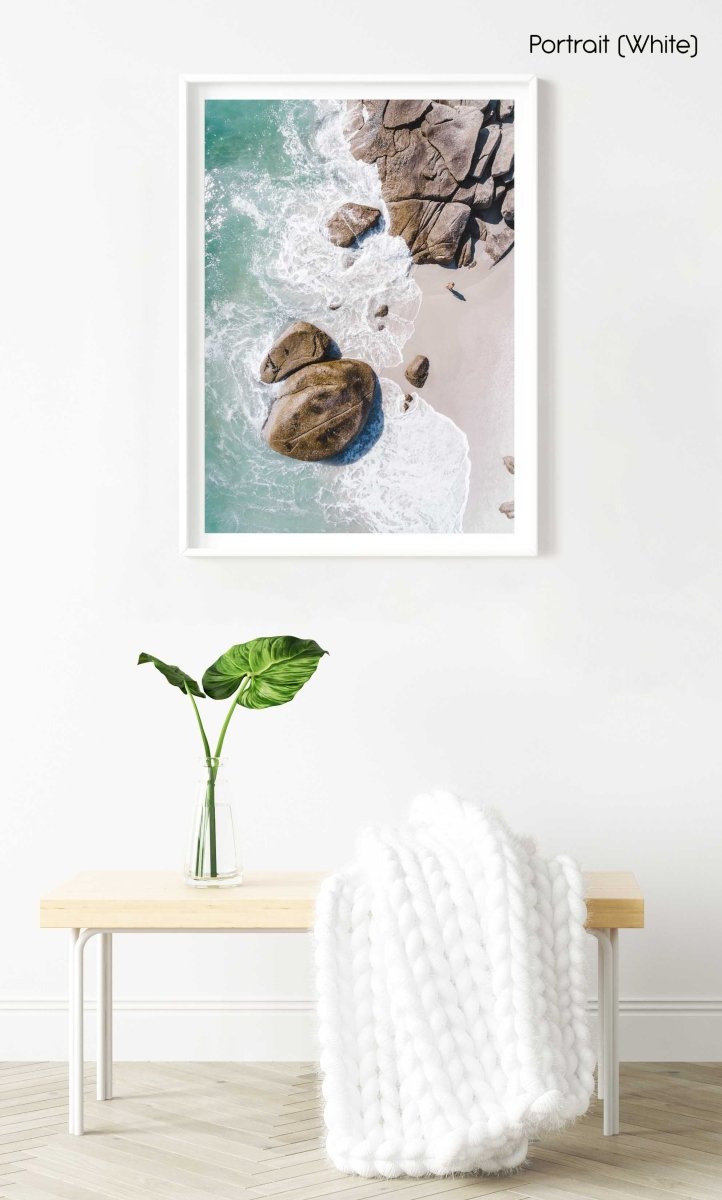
[(275, 171)]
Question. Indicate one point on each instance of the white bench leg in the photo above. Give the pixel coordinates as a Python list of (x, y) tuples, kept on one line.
[(614, 939), (600, 1020), (608, 1066), (78, 938), (104, 1072), (72, 1081)]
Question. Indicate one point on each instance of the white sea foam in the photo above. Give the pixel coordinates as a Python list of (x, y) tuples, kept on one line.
[(414, 477), (317, 274), (243, 204)]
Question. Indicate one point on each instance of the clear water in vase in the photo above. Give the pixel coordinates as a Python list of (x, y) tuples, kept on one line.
[(213, 858)]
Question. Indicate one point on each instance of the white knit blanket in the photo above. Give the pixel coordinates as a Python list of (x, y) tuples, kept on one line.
[(451, 992)]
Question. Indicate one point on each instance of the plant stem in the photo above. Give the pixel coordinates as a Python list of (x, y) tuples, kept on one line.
[(209, 810), (206, 744), (211, 806), (199, 843), (212, 764), (221, 737)]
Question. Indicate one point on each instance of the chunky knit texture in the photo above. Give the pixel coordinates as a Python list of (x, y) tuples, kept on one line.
[(452, 996)]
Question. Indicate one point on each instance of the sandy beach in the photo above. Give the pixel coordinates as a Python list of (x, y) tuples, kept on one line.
[(469, 344)]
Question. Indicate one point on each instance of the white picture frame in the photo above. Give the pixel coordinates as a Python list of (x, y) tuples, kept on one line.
[(194, 90)]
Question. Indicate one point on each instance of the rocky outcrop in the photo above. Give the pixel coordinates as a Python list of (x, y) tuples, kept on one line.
[(479, 196), (446, 169), (454, 132), (504, 157), (320, 409), (417, 371), (350, 222), (382, 311), (403, 112), (488, 146), (368, 136), (300, 344), (433, 231), (416, 171), (498, 239)]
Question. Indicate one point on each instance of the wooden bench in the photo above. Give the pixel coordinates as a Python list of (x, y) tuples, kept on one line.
[(108, 902)]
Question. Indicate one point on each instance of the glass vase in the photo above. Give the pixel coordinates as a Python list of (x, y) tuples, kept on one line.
[(213, 859)]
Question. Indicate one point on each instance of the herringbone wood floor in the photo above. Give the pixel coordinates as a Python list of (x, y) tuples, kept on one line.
[(235, 1131)]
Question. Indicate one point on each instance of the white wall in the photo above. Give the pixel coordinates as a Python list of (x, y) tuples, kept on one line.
[(579, 691)]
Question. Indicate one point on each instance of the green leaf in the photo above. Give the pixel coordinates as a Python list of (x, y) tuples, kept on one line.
[(276, 668), (174, 675)]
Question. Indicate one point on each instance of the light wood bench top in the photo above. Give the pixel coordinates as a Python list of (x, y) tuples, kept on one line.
[(266, 900)]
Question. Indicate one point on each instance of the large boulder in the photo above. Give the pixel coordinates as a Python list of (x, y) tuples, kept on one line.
[(300, 344), (376, 107), (455, 138), (350, 221), (507, 207), (320, 409), (504, 157), (497, 238), (433, 231), (404, 112), (371, 139), (479, 196), (486, 146), (441, 110), (417, 171)]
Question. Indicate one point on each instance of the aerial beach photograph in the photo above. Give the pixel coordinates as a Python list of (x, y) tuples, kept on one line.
[(359, 316)]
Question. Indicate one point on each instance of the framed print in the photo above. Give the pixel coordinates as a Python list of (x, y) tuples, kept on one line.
[(359, 316)]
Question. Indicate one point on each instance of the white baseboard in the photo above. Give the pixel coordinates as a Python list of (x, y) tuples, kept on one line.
[(669, 1030), (253, 1029), (284, 1030)]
